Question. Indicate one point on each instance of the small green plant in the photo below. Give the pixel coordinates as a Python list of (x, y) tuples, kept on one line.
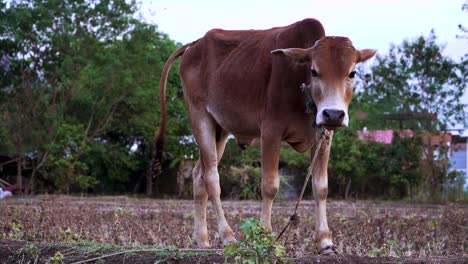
[(68, 235), (30, 251), (56, 259), (188, 216), (258, 245), (15, 230), (388, 248)]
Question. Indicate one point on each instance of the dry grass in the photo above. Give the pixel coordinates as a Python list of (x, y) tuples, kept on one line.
[(360, 228)]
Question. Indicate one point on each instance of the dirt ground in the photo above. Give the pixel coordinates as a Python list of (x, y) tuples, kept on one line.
[(70, 229)]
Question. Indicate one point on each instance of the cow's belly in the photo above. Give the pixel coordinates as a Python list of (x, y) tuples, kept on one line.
[(236, 121)]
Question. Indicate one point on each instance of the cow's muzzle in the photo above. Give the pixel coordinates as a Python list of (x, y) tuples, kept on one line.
[(333, 119)]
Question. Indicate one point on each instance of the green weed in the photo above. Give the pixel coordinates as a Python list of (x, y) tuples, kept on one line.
[(56, 259), (258, 246), (30, 251)]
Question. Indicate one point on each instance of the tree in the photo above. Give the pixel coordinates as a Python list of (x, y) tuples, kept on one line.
[(416, 77), (403, 165), (463, 29), (140, 57), (416, 80), (79, 83), (51, 44)]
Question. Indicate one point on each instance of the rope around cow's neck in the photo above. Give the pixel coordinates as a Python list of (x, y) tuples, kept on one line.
[(294, 218)]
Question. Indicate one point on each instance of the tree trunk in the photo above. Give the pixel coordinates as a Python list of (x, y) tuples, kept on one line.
[(149, 182), (36, 168), (434, 177), (19, 174), (446, 187), (348, 187), (410, 190), (146, 150), (32, 181), (180, 183), (19, 163)]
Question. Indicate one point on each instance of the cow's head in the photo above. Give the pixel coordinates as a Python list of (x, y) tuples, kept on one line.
[(332, 62)]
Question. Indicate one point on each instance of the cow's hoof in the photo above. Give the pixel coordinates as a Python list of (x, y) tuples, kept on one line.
[(203, 244), (202, 240), (227, 236), (328, 250), (229, 240)]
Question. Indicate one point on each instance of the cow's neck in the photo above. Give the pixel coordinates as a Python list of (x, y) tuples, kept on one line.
[(310, 107)]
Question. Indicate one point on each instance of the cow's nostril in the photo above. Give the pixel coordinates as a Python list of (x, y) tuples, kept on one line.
[(333, 117), (341, 116)]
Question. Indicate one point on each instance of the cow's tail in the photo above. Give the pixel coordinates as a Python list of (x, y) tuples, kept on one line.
[(159, 137)]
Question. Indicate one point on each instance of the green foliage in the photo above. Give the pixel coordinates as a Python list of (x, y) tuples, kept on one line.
[(240, 169), (30, 251), (57, 258), (64, 167), (112, 164), (94, 69), (240, 172), (6, 143), (80, 97), (249, 178), (258, 245), (353, 162), (294, 159), (68, 235), (457, 190), (369, 169), (16, 230), (403, 159), (416, 78)]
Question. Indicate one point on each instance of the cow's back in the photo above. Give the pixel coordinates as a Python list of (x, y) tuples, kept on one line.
[(232, 75)]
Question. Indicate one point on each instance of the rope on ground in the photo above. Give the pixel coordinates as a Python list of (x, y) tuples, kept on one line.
[(294, 218)]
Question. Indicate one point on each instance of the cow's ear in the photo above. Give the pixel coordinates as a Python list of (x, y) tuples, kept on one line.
[(295, 54), (365, 54)]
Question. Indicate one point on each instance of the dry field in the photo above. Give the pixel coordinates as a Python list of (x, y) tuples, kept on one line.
[(68, 229)]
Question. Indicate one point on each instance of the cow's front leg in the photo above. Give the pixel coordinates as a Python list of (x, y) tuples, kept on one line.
[(270, 177), (320, 190)]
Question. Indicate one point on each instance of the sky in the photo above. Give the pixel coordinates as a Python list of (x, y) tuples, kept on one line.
[(368, 23)]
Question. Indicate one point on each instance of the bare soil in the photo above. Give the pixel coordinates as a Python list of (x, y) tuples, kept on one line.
[(34, 229)]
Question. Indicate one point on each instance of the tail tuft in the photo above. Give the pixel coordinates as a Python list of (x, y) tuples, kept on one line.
[(156, 159), (158, 140)]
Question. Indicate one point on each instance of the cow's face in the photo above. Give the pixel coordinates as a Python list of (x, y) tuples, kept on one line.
[(332, 62)]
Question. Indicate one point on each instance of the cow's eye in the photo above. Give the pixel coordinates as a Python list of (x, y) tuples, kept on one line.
[(351, 75), (314, 73)]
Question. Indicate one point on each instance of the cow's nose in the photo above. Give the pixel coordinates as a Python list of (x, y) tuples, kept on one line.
[(332, 117)]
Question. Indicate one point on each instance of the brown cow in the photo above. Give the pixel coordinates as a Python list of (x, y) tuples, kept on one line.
[(247, 83)]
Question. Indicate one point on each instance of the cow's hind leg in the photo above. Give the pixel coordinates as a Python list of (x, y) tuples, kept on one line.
[(201, 198), (206, 185), (320, 190)]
